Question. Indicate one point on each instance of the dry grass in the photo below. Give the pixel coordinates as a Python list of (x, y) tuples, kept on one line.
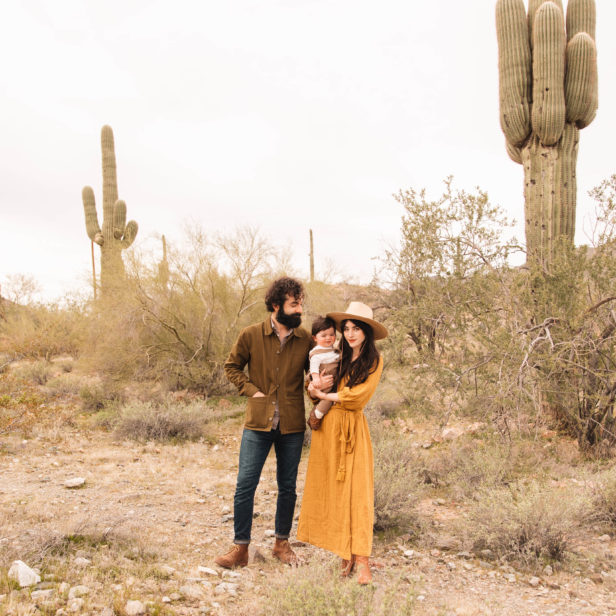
[(167, 421), (396, 483), (527, 524), (318, 590)]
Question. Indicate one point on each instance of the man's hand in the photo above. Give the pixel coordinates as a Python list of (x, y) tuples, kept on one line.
[(316, 380), (258, 395)]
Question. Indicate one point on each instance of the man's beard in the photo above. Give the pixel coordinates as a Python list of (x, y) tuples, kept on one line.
[(290, 321)]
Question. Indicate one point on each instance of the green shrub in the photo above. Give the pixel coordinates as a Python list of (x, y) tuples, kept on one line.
[(396, 480), (99, 396), (318, 590), (526, 524), (38, 372), (468, 466), (603, 508), (144, 421)]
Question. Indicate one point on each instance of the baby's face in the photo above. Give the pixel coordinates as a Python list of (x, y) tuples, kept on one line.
[(326, 337)]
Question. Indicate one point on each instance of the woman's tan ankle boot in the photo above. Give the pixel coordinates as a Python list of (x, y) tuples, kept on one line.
[(364, 576), (347, 566)]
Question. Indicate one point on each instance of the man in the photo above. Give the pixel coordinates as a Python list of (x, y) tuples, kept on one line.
[(275, 352)]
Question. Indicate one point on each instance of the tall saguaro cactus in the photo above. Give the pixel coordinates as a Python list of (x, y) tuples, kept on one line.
[(548, 92), (116, 234)]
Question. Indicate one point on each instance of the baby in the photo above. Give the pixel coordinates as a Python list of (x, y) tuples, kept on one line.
[(324, 360)]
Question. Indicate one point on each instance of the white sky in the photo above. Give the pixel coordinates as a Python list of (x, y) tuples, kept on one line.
[(287, 114)]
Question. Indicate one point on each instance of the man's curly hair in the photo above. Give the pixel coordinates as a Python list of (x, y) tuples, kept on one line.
[(280, 289)]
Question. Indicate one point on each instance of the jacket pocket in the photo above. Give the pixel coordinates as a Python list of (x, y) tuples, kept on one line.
[(259, 412)]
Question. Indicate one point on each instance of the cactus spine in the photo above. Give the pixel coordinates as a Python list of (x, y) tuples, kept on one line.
[(116, 234), (548, 91)]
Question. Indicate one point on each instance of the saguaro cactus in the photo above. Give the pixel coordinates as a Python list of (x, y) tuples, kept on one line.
[(548, 91), (116, 234)]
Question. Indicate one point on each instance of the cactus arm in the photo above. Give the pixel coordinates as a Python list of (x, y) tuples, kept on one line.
[(515, 153), (581, 83), (119, 219), (514, 66), (533, 7), (130, 233), (110, 180), (548, 114), (89, 207), (581, 17)]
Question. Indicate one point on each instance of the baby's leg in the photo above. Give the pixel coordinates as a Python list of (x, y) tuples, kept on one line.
[(323, 406)]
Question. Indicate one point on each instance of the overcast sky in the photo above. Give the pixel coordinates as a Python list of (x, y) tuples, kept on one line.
[(286, 114)]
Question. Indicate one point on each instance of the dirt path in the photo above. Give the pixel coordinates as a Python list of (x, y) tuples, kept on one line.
[(176, 501)]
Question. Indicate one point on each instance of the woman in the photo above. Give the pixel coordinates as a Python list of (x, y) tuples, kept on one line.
[(338, 504)]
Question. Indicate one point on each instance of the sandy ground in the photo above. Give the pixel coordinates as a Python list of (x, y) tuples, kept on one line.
[(172, 501)]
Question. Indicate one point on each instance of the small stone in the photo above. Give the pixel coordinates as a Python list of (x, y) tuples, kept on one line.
[(547, 570), (465, 555), (226, 587), (78, 591), (440, 502), (61, 612), (487, 553), (270, 533), (234, 575), (409, 553), (510, 577), (450, 434), (257, 557), (207, 571), (166, 599), (451, 566), (64, 588), (75, 605), (467, 566), (604, 538), (435, 553), (192, 591), (23, 575), (225, 509), (80, 561), (134, 608), (107, 612), (421, 597), (42, 595), (74, 482), (166, 570), (227, 518), (534, 581), (175, 596)]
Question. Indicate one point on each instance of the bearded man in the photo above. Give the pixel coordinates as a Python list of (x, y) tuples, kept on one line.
[(275, 352)]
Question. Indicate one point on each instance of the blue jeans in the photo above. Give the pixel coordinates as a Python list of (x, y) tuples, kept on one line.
[(254, 449)]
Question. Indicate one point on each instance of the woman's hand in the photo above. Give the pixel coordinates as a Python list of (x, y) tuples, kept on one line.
[(313, 392)]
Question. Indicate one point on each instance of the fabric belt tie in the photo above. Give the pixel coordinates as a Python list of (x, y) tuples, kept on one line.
[(347, 443)]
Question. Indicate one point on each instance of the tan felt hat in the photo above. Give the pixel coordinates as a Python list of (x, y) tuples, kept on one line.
[(358, 311)]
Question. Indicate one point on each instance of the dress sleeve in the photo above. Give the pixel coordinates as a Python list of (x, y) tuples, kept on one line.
[(356, 398)]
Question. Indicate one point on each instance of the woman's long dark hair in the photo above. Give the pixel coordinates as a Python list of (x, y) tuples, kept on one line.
[(360, 369)]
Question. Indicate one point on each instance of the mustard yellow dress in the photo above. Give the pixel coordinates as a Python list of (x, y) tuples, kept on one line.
[(337, 512)]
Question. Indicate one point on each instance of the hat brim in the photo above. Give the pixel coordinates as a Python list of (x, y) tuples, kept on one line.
[(380, 331)]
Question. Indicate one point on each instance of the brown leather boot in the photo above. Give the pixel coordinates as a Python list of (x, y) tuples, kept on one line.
[(237, 556), (364, 576), (347, 566), (283, 552)]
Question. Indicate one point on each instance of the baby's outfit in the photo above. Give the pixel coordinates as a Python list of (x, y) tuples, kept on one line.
[(324, 361)]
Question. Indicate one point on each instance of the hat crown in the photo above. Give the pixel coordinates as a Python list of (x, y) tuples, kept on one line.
[(360, 310)]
